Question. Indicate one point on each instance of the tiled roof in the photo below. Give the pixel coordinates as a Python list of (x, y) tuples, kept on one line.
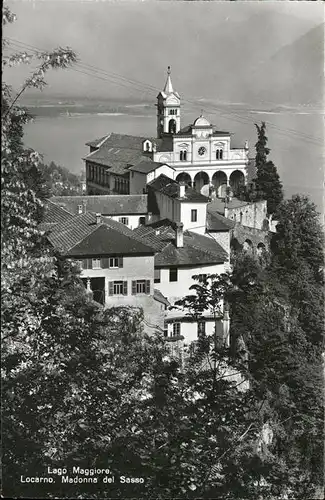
[(95, 143), (81, 236), (217, 222), (198, 249), (169, 187), (145, 167), (119, 151), (104, 204), (218, 205), (53, 214)]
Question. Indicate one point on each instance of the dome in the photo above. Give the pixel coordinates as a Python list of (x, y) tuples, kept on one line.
[(201, 122)]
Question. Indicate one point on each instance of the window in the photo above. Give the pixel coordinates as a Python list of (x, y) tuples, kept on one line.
[(140, 286), (219, 154), (183, 155), (173, 111), (124, 220), (201, 328), (80, 264), (157, 276), (142, 221), (176, 329), (113, 262), (79, 209), (96, 264), (118, 288), (173, 274), (202, 277), (193, 215)]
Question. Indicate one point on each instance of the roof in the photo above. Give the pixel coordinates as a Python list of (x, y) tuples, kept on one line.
[(125, 204), (170, 188), (197, 249), (53, 214), (157, 295), (96, 142), (218, 205), (119, 151), (145, 167), (201, 122), (217, 222), (82, 236)]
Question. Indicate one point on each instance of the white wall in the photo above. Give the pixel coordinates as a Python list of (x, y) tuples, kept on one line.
[(133, 220), (175, 290), (200, 224), (169, 208), (164, 169), (134, 268)]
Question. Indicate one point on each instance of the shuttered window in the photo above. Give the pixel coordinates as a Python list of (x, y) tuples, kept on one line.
[(118, 288), (104, 262), (115, 262), (140, 287)]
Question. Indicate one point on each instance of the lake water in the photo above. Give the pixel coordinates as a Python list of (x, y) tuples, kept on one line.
[(295, 137)]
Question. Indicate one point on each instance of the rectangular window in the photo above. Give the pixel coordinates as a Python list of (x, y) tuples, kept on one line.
[(193, 215), (140, 287), (173, 274), (113, 262), (201, 328), (96, 264), (124, 220), (80, 264), (118, 288), (176, 329), (157, 276), (202, 277)]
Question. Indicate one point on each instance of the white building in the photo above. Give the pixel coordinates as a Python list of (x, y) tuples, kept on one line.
[(180, 255), (199, 154)]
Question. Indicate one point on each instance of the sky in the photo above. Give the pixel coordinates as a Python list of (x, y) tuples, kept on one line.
[(213, 47)]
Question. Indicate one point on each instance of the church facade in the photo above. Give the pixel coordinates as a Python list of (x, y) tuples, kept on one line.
[(197, 154)]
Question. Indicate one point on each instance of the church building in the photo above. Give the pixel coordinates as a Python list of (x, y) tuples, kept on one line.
[(198, 154)]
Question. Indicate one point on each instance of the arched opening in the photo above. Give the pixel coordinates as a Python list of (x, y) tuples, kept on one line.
[(219, 154), (248, 246), (172, 127), (184, 177), (219, 181), (183, 155), (200, 180), (236, 180)]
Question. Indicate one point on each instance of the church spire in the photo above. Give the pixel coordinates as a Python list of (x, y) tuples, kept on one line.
[(168, 86)]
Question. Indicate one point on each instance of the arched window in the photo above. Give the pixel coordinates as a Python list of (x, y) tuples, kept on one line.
[(219, 154), (183, 155)]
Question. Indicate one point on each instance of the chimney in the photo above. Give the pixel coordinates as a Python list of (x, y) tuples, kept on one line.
[(149, 217), (179, 235), (182, 189), (98, 218)]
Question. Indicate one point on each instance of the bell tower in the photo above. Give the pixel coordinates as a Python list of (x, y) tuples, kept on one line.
[(168, 109)]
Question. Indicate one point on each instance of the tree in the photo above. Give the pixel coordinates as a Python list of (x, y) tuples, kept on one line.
[(286, 371), (267, 184)]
